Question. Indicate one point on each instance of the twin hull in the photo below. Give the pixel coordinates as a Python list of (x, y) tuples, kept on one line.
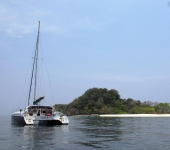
[(20, 119), (39, 115)]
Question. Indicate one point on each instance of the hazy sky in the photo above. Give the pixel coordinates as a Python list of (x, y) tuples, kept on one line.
[(113, 44)]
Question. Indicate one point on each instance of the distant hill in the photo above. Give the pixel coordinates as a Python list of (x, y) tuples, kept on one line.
[(104, 101)]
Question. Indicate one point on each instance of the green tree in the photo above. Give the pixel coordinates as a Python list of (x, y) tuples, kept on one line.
[(162, 108)]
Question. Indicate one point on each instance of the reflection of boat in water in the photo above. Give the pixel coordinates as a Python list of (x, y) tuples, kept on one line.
[(40, 136), (37, 114)]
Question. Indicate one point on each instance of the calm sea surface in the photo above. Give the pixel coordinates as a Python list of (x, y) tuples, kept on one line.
[(88, 133)]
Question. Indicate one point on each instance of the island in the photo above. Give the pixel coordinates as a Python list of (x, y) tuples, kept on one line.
[(101, 101)]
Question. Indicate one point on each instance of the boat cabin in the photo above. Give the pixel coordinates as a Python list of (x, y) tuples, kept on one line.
[(36, 110)]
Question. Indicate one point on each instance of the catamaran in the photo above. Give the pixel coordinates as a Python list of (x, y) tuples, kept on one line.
[(36, 113)]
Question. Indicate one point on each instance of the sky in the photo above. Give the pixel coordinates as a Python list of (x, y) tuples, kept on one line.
[(114, 44)]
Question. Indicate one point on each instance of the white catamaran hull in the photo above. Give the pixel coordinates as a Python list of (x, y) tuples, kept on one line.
[(22, 118)]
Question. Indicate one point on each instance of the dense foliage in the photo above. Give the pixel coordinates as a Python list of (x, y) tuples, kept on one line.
[(104, 101)]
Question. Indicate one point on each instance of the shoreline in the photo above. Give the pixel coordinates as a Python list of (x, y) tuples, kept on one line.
[(135, 115), (125, 115)]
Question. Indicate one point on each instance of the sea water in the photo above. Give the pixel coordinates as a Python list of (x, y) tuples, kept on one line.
[(88, 133)]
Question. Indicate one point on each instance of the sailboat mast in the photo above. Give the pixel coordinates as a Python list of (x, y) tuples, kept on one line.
[(36, 62)]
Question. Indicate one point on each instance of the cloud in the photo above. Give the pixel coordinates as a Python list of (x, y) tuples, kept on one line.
[(19, 19), (17, 30)]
